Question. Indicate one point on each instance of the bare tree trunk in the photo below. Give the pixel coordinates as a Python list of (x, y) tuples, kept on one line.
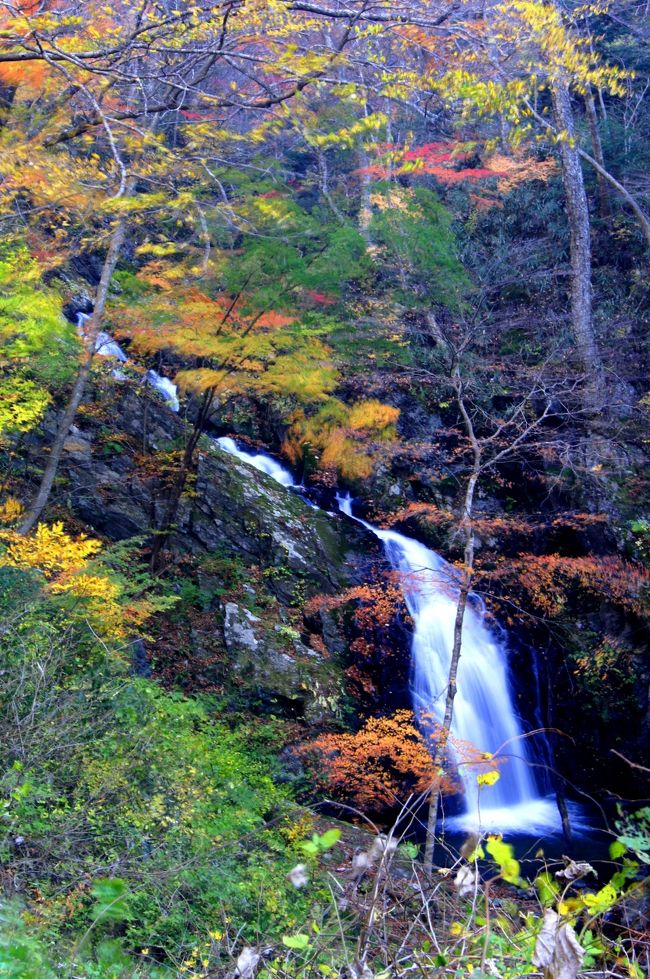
[(463, 595), (580, 244), (94, 328), (365, 210), (597, 146), (325, 190), (187, 464), (443, 737)]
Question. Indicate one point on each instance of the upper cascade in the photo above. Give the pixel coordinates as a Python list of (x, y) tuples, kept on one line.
[(106, 346), (165, 387)]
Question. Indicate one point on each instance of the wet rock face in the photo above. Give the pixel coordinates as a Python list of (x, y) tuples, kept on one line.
[(88, 266), (80, 302), (239, 630), (231, 505), (271, 527), (230, 510)]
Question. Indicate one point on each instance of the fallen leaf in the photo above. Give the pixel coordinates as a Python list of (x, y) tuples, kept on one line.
[(574, 870), (557, 950)]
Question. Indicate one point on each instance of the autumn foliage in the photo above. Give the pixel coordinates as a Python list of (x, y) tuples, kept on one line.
[(378, 607), (226, 349), (452, 163), (375, 768), (549, 582), (66, 565), (348, 439)]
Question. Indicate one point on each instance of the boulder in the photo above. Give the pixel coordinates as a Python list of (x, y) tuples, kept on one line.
[(285, 673), (238, 514), (239, 631)]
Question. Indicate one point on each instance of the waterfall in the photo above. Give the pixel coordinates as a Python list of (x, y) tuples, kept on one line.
[(485, 717), (106, 346), (484, 713), (259, 460), (165, 387)]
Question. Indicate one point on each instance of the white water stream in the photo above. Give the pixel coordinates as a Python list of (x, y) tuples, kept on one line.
[(259, 460), (484, 716), (106, 346), (484, 713)]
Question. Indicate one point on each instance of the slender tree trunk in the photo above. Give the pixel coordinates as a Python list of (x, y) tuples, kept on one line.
[(325, 190), (597, 146), (463, 595), (445, 730), (556, 778), (365, 188), (93, 329), (580, 244), (640, 214), (186, 467)]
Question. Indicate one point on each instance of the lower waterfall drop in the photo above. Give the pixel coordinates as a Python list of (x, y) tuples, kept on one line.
[(484, 714)]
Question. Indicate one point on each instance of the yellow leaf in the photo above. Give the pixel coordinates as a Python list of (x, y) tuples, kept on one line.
[(488, 778)]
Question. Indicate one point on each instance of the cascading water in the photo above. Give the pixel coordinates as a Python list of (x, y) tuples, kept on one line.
[(106, 346), (260, 461), (266, 465), (484, 713), (164, 387)]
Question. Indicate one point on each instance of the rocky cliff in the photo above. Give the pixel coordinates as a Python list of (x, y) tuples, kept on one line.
[(285, 552)]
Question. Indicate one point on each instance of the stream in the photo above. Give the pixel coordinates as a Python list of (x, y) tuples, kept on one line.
[(485, 717), (106, 346), (484, 713)]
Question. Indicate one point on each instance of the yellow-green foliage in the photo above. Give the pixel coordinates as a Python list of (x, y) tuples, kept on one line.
[(11, 510), (34, 335), (343, 437), (37, 346), (144, 781), (108, 774), (545, 49), (89, 591), (373, 416), (22, 405)]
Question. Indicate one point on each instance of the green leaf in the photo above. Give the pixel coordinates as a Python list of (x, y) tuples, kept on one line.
[(112, 898), (616, 849), (503, 854), (601, 901), (329, 839), (298, 942), (547, 888)]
